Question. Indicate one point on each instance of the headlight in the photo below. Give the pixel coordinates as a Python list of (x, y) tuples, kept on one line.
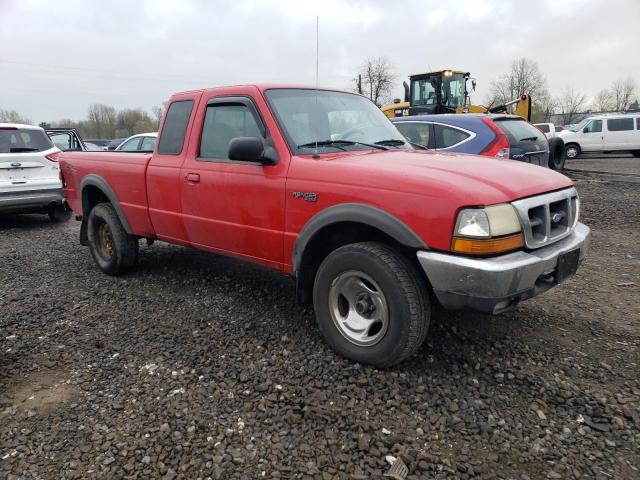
[(484, 231)]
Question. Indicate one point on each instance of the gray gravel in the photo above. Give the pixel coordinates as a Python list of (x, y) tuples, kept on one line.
[(197, 366)]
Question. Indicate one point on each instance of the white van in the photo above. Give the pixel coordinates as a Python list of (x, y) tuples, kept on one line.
[(603, 133)]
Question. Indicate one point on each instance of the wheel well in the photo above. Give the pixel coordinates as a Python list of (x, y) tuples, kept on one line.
[(330, 238), (575, 144), (91, 196)]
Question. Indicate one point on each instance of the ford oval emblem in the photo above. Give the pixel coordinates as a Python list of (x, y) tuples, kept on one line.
[(557, 217), (16, 164)]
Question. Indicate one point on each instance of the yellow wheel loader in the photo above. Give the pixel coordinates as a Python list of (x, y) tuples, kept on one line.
[(446, 91)]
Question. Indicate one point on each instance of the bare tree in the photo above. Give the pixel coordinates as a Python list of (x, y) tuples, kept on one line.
[(157, 115), (622, 94), (570, 103), (377, 79), (524, 77), (11, 116), (602, 102), (101, 120)]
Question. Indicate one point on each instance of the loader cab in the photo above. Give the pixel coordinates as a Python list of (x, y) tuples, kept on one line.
[(444, 91)]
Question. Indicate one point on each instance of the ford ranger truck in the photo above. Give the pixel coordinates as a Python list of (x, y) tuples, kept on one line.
[(319, 184)]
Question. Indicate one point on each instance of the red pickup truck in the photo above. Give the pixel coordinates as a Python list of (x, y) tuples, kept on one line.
[(319, 184)]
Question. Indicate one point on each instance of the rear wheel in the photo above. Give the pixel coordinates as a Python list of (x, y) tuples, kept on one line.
[(112, 248), (59, 213), (371, 304), (571, 151)]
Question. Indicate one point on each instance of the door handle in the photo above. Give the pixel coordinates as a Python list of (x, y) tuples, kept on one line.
[(192, 177)]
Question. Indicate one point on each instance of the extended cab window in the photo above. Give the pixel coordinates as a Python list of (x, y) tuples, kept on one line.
[(175, 127), (619, 124), (222, 123)]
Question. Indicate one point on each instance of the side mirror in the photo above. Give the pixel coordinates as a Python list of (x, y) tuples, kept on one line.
[(246, 149), (585, 130)]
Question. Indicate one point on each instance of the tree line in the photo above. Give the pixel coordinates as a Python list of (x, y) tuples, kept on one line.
[(375, 78), (103, 121)]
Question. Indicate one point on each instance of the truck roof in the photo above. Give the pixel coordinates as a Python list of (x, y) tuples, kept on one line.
[(267, 86)]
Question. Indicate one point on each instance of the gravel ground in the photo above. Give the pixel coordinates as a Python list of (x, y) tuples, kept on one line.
[(197, 366), (623, 163)]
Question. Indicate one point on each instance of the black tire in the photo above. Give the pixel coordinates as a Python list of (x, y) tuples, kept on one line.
[(556, 154), (59, 213), (636, 153), (405, 293), (112, 248), (572, 151)]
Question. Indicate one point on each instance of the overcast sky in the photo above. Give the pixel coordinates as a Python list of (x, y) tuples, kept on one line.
[(57, 58)]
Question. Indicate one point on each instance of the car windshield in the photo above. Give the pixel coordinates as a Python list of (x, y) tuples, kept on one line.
[(15, 140), (338, 121)]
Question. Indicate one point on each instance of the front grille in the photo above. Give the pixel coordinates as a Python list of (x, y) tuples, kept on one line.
[(549, 217)]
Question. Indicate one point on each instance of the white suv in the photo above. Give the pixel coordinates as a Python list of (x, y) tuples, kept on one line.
[(603, 133), (29, 173)]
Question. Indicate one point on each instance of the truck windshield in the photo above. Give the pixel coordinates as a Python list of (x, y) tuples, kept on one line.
[(338, 121)]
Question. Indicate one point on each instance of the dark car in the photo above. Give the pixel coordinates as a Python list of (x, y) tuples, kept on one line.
[(493, 135)]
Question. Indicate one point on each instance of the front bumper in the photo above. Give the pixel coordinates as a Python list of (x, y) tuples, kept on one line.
[(494, 285), (28, 200)]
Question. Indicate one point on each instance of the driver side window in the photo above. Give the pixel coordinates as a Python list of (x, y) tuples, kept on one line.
[(222, 123), (593, 126)]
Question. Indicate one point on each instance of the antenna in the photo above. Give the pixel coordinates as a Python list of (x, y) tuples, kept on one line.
[(315, 155)]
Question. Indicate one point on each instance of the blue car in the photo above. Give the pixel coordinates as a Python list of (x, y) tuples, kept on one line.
[(492, 135)]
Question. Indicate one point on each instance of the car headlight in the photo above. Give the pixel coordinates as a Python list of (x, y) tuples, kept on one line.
[(489, 230)]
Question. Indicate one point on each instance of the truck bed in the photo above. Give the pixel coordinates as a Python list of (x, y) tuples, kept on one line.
[(123, 173)]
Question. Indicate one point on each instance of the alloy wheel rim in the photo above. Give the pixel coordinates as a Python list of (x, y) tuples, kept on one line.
[(358, 308)]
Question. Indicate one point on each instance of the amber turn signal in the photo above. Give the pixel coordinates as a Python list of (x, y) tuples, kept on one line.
[(474, 246)]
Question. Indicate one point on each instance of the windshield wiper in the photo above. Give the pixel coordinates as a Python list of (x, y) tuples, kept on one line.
[(533, 139), (22, 149), (392, 142), (335, 143)]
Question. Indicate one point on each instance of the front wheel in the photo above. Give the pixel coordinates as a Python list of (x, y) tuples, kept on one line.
[(572, 151), (112, 248), (371, 304)]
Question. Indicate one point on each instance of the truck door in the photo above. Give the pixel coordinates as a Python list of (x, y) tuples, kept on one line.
[(592, 137), (229, 206), (163, 171)]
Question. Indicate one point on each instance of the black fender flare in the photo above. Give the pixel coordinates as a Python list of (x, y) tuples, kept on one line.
[(359, 213), (100, 183)]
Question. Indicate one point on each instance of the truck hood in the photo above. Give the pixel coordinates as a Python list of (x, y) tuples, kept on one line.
[(474, 179)]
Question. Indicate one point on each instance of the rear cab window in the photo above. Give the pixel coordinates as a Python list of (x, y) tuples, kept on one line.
[(175, 127), (16, 140)]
